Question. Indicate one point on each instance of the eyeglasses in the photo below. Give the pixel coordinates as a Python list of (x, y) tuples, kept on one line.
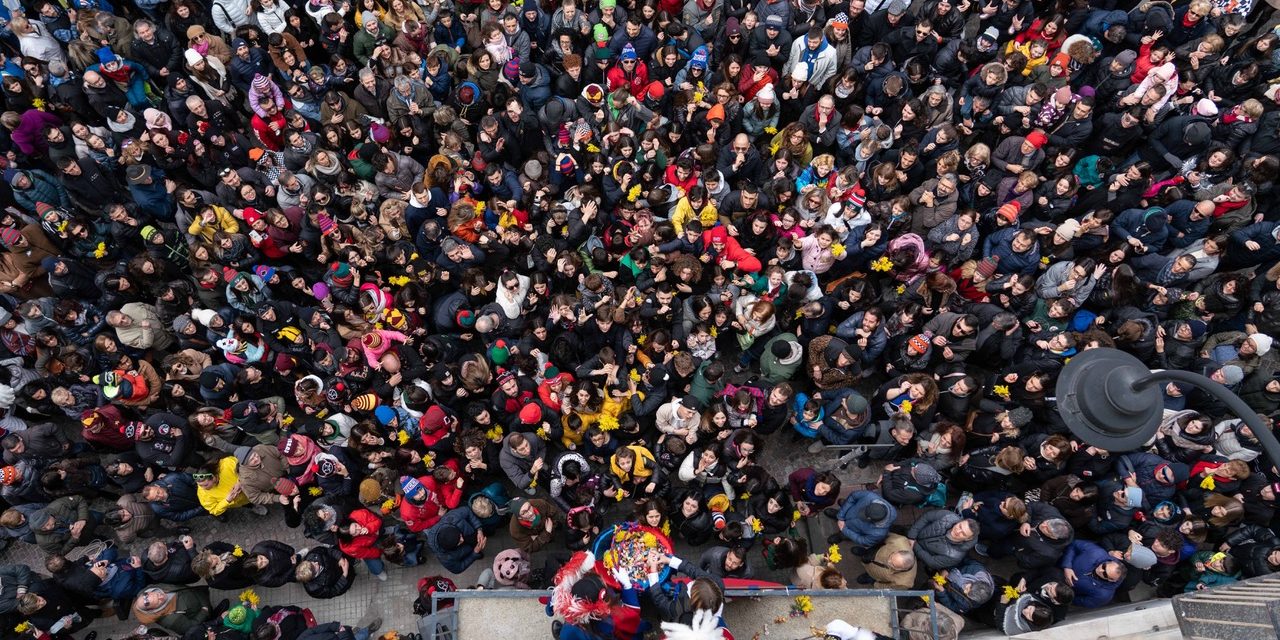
[(201, 476)]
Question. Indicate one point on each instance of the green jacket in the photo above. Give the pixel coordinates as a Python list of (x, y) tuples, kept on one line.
[(363, 44), (64, 511), (770, 368)]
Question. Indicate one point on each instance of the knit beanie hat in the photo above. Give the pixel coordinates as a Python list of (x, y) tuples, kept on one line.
[(987, 267), (107, 56), (1141, 557), (9, 237), (365, 402), (499, 353), (409, 486), (530, 414), (1010, 210), (1262, 341), (369, 492), (449, 538)]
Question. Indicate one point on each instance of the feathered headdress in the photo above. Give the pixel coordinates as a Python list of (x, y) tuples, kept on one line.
[(574, 609), (706, 626)]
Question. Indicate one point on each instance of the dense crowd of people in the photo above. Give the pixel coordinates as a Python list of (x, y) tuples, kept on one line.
[(403, 273)]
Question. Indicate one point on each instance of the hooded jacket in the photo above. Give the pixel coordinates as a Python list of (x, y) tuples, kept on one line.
[(455, 560), (857, 527)]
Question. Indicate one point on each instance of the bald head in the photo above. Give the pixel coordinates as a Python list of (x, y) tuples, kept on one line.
[(902, 561)]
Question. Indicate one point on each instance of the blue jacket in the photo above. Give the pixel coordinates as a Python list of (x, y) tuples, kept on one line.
[(537, 92), (994, 525), (1083, 557), (1000, 245), (832, 431), (182, 503), (645, 43), (857, 528), (1150, 226), (1269, 248), (457, 560), (1144, 466), (1180, 219)]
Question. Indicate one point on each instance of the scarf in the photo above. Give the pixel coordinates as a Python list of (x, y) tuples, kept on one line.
[(810, 56), (1232, 117), (202, 48), (531, 523), (123, 127), (1222, 208), (120, 76)]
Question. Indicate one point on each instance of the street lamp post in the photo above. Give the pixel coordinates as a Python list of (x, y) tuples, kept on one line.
[(1111, 400)]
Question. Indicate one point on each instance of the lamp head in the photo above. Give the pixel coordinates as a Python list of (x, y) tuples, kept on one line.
[(1102, 405)]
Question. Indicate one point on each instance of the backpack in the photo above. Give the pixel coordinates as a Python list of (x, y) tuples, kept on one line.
[(431, 585)]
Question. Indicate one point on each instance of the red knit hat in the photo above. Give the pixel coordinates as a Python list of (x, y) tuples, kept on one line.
[(531, 414), (919, 343), (1037, 138), (1010, 210)]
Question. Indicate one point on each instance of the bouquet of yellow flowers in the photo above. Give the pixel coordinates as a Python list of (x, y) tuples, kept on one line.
[(833, 554)]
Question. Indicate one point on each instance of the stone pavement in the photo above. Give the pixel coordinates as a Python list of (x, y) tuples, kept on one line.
[(392, 600)]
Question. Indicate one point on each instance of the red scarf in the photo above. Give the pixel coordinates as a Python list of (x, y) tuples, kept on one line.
[(1221, 208), (119, 76)]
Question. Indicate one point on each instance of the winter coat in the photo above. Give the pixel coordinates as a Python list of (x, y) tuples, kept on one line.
[(331, 582), (1083, 557), (933, 547), (259, 483), (365, 546), (863, 532), (280, 563), (455, 560), (1037, 551)]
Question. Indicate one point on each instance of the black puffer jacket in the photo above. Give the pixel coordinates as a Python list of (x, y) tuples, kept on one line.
[(331, 582)]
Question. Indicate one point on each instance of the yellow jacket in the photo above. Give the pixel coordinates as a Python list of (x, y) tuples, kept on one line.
[(215, 500), (684, 213), (222, 221)]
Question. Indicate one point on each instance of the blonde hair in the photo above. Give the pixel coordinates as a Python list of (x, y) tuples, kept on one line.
[(980, 152), (1252, 108)]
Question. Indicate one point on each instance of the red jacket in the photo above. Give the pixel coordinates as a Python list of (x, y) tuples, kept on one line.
[(448, 493), (420, 517), (363, 547), (1143, 65), (745, 262), (272, 140), (636, 84)]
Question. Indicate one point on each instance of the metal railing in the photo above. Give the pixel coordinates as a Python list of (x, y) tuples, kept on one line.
[(442, 623)]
